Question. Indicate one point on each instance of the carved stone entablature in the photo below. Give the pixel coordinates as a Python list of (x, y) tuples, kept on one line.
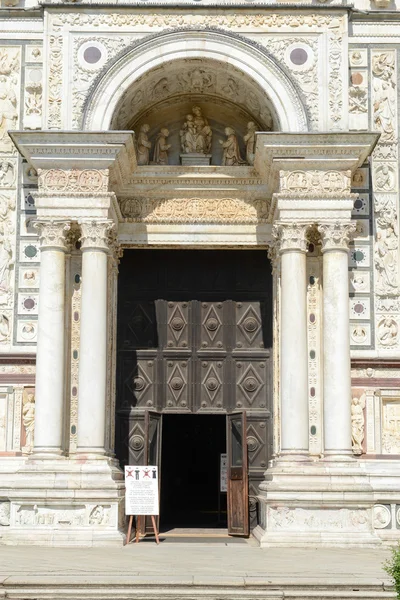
[(291, 236), (336, 236), (315, 183), (96, 235), (194, 210), (73, 180), (52, 234)]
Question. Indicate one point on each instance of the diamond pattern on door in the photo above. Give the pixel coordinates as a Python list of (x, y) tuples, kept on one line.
[(251, 388), (211, 325), (177, 325), (177, 385), (212, 377), (249, 332)]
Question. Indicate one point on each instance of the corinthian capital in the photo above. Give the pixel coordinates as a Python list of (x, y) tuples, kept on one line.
[(96, 234), (291, 236), (336, 236), (52, 234)]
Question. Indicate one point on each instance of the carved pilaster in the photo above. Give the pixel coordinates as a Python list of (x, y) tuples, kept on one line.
[(336, 236), (291, 236), (97, 235), (52, 234)]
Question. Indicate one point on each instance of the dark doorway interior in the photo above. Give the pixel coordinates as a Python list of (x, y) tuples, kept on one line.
[(190, 468)]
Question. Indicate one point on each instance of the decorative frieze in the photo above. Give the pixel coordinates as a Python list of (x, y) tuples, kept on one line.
[(73, 180), (315, 184)]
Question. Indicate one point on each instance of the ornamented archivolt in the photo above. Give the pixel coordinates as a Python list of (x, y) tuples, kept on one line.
[(287, 23), (194, 210), (9, 95)]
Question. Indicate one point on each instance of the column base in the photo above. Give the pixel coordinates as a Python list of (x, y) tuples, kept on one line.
[(44, 453), (66, 502), (316, 504)]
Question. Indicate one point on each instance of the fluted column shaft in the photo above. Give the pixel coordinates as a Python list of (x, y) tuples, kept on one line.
[(336, 363), (293, 368), (50, 361), (93, 339)]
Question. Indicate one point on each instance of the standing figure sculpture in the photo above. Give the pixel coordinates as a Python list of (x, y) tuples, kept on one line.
[(250, 141), (28, 419), (143, 146), (203, 131), (231, 155), (161, 148), (357, 424), (188, 135)]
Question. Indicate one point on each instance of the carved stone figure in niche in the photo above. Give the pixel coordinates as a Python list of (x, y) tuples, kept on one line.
[(4, 514), (6, 259), (231, 155), (143, 146), (28, 420), (357, 424), (386, 261), (8, 108), (384, 178), (4, 328), (250, 141), (384, 108), (388, 330), (6, 173), (161, 148), (188, 135)]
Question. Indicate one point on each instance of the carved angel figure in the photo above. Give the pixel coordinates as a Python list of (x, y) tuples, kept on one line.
[(231, 155), (143, 145), (28, 419), (357, 424), (250, 141), (8, 107), (386, 250), (161, 148)]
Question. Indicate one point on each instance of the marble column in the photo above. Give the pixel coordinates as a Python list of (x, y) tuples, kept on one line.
[(93, 339), (293, 358), (336, 344), (50, 360)]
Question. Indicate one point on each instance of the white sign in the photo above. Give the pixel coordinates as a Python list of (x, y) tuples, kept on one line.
[(223, 464), (141, 490)]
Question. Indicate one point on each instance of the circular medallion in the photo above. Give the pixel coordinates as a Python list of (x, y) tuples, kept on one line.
[(30, 251), (177, 323), (212, 384), (177, 383), (92, 55), (382, 516), (250, 384), (139, 384), (250, 324), (252, 443), (211, 324), (137, 442)]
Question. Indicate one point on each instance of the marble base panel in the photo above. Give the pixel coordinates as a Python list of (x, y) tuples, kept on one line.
[(63, 503), (316, 504), (193, 159)]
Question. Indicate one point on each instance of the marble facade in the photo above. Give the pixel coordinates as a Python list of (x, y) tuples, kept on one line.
[(316, 187)]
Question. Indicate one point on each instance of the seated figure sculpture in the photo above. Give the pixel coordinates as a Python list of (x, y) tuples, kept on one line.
[(196, 134)]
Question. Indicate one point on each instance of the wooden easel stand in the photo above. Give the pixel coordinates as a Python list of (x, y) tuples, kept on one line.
[(138, 517)]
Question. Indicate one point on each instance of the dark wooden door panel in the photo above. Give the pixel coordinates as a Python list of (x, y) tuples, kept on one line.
[(210, 380), (177, 385), (251, 377), (238, 486)]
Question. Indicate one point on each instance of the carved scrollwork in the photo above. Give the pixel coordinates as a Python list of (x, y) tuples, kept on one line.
[(336, 236), (52, 234)]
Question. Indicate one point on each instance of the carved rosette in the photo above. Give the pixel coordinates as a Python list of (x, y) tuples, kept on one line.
[(97, 235), (291, 236), (52, 234), (336, 236)]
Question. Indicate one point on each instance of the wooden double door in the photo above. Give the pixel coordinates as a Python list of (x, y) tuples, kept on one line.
[(195, 337)]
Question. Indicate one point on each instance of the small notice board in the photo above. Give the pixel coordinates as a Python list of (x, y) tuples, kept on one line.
[(141, 495)]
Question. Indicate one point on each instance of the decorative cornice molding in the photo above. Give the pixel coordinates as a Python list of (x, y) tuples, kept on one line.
[(96, 235), (336, 236), (52, 234), (291, 236)]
